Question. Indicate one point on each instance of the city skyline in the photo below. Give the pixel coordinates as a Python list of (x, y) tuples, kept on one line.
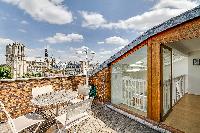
[(98, 25)]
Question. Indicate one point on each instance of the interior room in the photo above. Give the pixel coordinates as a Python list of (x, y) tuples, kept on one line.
[(129, 82), (185, 99)]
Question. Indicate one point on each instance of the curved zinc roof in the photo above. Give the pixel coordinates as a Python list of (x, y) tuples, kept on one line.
[(186, 16)]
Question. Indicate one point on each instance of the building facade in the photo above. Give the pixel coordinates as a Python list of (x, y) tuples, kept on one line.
[(15, 59), (69, 68), (73, 68), (35, 65), (21, 65)]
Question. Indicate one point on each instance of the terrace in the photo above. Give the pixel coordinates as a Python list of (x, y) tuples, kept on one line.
[(105, 120), (153, 81), (17, 96)]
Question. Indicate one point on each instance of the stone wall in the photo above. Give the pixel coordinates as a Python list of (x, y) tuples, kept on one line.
[(16, 94)]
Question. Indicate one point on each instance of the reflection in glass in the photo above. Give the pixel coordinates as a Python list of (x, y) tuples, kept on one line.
[(129, 82), (166, 80)]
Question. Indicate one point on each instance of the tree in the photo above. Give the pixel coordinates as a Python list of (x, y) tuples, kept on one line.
[(5, 72)]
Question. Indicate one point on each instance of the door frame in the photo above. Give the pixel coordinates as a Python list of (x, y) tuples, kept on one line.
[(163, 117)]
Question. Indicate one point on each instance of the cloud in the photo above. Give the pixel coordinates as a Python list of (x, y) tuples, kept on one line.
[(92, 19), (176, 4), (61, 51), (61, 38), (58, 54), (107, 52), (57, 1), (115, 40), (51, 11), (77, 54), (34, 52), (100, 42), (160, 12), (5, 41), (81, 49), (3, 18), (22, 30), (103, 54), (117, 49), (24, 22), (72, 53)]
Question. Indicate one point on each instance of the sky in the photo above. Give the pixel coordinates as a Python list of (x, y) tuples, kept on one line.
[(65, 27)]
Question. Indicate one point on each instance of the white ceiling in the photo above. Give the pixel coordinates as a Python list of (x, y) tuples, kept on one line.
[(186, 46)]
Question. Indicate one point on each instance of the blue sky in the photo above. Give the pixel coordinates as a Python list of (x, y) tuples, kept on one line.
[(66, 26)]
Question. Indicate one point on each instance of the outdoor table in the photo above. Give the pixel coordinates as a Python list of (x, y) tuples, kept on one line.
[(53, 98)]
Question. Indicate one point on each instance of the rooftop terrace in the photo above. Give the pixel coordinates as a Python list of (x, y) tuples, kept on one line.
[(104, 120)]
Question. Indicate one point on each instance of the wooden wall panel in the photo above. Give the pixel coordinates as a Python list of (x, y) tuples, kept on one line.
[(156, 76), (149, 81)]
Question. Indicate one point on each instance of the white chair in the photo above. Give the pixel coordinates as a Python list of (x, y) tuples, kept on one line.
[(75, 113), (84, 90), (72, 93), (20, 123), (41, 90), (75, 100)]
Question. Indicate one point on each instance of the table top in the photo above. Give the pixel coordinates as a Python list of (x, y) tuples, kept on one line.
[(54, 98)]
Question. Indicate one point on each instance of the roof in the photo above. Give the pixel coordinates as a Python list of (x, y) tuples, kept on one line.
[(186, 16)]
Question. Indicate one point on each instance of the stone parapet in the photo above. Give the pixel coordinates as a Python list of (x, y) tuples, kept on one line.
[(16, 94)]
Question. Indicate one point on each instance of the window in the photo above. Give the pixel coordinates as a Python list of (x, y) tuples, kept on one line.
[(129, 82)]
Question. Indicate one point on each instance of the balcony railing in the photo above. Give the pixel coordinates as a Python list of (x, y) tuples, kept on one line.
[(179, 87), (178, 90), (134, 93)]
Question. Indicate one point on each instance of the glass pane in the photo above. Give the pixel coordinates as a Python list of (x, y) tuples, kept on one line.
[(166, 80), (129, 82)]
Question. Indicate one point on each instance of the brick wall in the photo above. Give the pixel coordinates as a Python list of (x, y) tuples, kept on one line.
[(16, 94), (102, 80)]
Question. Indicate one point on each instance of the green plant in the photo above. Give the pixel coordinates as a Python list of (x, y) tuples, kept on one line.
[(93, 91), (38, 74), (5, 72)]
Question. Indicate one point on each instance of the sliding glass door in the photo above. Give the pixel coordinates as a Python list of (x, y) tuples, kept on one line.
[(166, 82)]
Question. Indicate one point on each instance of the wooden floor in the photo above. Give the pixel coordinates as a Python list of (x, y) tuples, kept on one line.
[(185, 115)]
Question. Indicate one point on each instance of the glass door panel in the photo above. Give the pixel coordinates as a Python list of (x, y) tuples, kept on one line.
[(166, 79)]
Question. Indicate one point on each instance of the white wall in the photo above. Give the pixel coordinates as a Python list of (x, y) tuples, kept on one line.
[(181, 68), (194, 74)]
